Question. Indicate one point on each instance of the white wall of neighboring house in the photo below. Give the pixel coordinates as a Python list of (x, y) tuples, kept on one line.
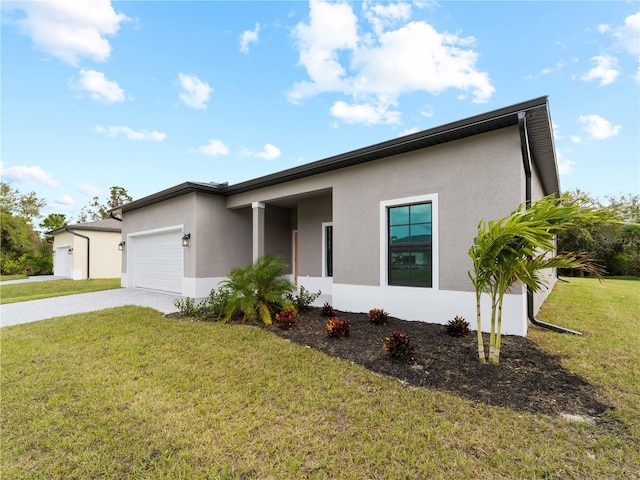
[(70, 254)]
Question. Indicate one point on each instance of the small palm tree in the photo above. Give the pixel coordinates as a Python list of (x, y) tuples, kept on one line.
[(256, 289), (516, 249)]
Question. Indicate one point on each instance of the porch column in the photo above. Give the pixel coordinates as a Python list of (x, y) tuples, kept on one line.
[(258, 229)]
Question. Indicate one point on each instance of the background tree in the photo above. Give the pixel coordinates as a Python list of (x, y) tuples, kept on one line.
[(615, 243), (94, 210), (54, 221), (21, 248)]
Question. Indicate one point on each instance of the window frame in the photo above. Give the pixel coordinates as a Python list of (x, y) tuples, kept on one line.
[(325, 269), (385, 205)]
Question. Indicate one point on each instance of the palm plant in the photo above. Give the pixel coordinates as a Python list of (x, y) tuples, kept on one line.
[(518, 248), (254, 290)]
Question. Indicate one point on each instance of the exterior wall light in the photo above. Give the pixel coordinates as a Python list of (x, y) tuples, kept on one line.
[(185, 239), (121, 245)]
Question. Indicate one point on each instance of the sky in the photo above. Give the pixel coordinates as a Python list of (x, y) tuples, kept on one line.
[(147, 95)]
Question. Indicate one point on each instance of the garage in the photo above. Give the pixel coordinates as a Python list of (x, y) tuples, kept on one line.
[(156, 261)]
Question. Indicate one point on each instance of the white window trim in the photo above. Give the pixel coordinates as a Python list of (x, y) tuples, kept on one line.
[(324, 247), (384, 245)]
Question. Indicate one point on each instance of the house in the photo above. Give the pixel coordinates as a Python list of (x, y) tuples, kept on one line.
[(88, 250), (385, 226)]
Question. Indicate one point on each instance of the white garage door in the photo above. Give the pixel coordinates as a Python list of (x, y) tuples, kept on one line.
[(62, 262), (157, 262)]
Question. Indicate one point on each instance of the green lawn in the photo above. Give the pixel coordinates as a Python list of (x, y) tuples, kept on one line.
[(20, 292), (6, 278), (126, 393)]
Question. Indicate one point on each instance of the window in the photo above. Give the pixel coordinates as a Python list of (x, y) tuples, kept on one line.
[(410, 244), (327, 240)]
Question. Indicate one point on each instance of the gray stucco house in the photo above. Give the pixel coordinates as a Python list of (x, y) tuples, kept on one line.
[(385, 226)]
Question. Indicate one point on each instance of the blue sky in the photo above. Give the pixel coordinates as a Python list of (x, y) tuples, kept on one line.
[(147, 95)]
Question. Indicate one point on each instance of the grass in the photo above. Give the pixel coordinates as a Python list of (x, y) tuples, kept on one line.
[(6, 278), (126, 393), (608, 352), (21, 292)]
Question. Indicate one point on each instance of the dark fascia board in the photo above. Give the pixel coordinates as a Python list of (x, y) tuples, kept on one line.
[(172, 192), (542, 151), (85, 228)]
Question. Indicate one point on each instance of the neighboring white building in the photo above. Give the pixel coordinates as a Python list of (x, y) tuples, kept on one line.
[(88, 250)]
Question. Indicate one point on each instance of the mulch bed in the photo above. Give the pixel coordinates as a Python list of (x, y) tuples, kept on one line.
[(527, 378)]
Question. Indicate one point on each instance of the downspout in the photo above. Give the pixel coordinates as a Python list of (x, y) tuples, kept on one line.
[(526, 161), (88, 248)]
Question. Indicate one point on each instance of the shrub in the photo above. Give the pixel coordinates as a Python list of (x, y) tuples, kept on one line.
[(378, 316), (328, 311), (211, 307), (214, 305), (399, 346), (187, 306), (336, 328), (287, 318), (256, 290), (458, 327), (303, 299)]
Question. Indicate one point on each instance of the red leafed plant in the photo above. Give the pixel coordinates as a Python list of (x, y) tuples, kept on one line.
[(336, 328), (287, 318), (399, 346), (378, 316)]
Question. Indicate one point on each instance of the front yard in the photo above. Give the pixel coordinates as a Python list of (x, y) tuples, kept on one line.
[(126, 393)]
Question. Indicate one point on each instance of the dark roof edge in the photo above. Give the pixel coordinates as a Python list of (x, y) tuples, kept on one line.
[(86, 228), (172, 192)]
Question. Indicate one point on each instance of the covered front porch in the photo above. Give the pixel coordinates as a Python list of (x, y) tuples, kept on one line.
[(298, 228)]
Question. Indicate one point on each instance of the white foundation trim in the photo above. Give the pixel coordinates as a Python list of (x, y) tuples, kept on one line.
[(433, 306)]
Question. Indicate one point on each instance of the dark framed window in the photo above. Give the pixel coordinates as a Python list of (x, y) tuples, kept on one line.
[(410, 236), (328, 239)]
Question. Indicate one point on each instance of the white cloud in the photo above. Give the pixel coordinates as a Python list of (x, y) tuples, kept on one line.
[(598, 127), (628, 35), (66, 202), (381, 16), (374, 69), (90, 190), (606, 70), (270, 152), (214, 148), (409, 131), (565, 166), (195, 93), (428, 111), (99, 88), (603, 28), (25, 174), (131, 134), (364, 113), (576, 138), (70, 29), (247, 37)]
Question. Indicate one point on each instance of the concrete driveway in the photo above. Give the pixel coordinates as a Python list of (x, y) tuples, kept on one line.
[(24, 312)]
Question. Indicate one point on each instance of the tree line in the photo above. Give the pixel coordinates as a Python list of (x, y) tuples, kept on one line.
[(25, 249), (614, 244)]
